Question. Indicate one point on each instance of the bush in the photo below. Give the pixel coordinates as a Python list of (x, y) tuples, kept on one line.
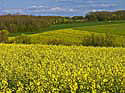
[(23, 39), (105, 39), (3, 35)]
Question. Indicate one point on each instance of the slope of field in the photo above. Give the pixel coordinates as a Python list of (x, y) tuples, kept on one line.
[(117, 29), (71, 37), (61, 69), (87, 34), (69, 26)]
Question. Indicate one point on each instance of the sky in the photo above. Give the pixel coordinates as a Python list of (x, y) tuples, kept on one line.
[(59, 7)]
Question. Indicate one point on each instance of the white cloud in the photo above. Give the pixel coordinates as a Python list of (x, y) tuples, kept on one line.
[(71, 10), (57, 9)]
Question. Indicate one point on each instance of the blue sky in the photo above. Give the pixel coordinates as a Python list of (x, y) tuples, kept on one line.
[(59, 7)]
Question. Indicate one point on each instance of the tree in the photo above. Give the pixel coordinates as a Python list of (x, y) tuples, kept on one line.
[(3, 35)]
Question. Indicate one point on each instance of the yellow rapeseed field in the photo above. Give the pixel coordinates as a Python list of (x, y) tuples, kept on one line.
[(61, 69)]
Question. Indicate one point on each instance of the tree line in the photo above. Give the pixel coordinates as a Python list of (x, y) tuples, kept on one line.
[(106, 16), (26, 23), (29, 23)]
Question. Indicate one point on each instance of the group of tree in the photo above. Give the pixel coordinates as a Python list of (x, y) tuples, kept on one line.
[(75, 19), (106, 16), (27, 23)]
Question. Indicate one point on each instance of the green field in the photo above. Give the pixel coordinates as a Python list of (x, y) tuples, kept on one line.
[(117, 29), (61, 69), (86, 25)]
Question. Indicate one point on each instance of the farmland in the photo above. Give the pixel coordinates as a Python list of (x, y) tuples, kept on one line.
[(57, 54), (57, 30), (87, 34), (65, 69), (117, 29), (80, 26)]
